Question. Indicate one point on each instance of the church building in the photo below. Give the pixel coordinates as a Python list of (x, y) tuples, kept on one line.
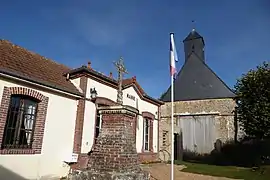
[(49, 118), (203, 107)]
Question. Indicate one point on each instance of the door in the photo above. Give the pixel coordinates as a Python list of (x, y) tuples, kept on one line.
[(178, 150), (198, 133)]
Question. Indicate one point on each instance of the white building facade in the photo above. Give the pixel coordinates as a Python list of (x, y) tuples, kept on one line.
[(49, 119)]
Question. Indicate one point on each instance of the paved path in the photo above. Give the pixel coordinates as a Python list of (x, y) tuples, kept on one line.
[(162, 172)]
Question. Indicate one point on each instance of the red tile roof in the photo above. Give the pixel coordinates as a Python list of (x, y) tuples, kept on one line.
[(130, 81), (28, 65), (24, 64), (126, 82)]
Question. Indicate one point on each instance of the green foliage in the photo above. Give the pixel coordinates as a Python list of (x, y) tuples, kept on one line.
[(253, 101)]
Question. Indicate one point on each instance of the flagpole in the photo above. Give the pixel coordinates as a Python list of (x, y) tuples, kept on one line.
[(173, 59), (172, 129)]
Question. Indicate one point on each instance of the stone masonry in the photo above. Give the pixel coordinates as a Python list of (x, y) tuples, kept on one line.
[(224, 109), (114, 156)]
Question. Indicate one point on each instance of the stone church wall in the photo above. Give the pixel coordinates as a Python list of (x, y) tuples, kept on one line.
[(222, 109)]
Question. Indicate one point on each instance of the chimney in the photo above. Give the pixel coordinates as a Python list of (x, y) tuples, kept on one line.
[(111, 76), (89, 65), (134, 78), (67, 77)]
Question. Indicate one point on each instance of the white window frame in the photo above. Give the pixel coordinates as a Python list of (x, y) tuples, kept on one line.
[(99, 125), (146, 148)]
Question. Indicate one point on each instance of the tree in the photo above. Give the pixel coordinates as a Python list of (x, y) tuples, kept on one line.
[(253, 101)]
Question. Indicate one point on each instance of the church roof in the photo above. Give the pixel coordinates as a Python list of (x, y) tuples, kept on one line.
[(197, 81), (193, 35), (19, 62)]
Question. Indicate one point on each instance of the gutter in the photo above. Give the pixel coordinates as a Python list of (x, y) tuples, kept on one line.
[(37, 84), (153, 99)]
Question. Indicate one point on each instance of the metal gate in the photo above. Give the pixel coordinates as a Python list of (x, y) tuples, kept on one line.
[(199, 134)]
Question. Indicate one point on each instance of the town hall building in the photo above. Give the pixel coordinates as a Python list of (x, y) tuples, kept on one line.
[(49, 118)]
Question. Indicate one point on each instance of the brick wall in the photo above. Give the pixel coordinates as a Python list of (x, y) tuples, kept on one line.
[(77, 144), (115, 148)]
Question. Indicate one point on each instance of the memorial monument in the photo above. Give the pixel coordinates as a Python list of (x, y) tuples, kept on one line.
[(114, 156)]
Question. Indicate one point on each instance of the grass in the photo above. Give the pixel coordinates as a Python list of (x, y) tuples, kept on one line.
[(227, 171)]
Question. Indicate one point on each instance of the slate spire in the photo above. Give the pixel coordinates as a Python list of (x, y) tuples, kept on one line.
[(196, 80), (194, 43)]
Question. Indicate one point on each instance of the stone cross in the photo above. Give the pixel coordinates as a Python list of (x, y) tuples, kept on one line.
[(121, 70)]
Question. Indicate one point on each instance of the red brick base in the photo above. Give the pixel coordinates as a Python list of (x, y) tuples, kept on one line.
[(82, 162), (148, 157)]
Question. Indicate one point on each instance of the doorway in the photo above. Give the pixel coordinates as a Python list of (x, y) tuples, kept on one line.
[(178, 150)]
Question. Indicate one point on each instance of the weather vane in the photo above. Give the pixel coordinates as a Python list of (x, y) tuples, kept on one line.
[(193, 25)]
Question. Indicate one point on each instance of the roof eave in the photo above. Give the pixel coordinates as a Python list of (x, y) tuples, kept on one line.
[(92, 72), (199, 99), (84, 69), (40, 82), (153, 99)]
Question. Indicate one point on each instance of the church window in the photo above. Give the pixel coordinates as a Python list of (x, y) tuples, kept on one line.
[(146, 134), (20, 122)]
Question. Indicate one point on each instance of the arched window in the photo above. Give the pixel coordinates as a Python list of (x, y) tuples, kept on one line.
[(20, 123)]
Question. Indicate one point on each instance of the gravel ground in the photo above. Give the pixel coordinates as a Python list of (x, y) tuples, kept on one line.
[(162, 172)]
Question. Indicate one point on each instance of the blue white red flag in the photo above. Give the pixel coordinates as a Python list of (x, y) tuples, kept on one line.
[(173, 55)]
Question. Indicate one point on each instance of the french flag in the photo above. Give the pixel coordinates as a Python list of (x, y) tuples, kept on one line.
[(173, 55), (173, 59)]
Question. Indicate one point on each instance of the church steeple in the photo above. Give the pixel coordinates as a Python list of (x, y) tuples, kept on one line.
[(194, 43)]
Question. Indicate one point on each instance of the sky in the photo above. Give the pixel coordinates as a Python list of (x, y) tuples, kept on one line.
[(236, 34)]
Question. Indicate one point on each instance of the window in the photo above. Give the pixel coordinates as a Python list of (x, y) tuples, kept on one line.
[(98, 125), (164, 138), (20, 123), (146, 136), (98, 122)]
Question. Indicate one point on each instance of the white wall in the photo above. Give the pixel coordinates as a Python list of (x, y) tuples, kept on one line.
[(88, 127), (57, 141), (111, 93), (90, 112), (142, 105), (102, 90)]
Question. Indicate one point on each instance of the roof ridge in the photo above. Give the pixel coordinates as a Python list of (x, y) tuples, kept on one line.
[(218, 77), (208, 67), (227, 92), (32, 52), (213, 72)]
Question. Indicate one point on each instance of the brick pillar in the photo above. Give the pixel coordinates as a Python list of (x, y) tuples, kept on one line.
[(114, 155)]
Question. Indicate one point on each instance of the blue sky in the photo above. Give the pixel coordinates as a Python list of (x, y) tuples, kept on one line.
[(236, 33)]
